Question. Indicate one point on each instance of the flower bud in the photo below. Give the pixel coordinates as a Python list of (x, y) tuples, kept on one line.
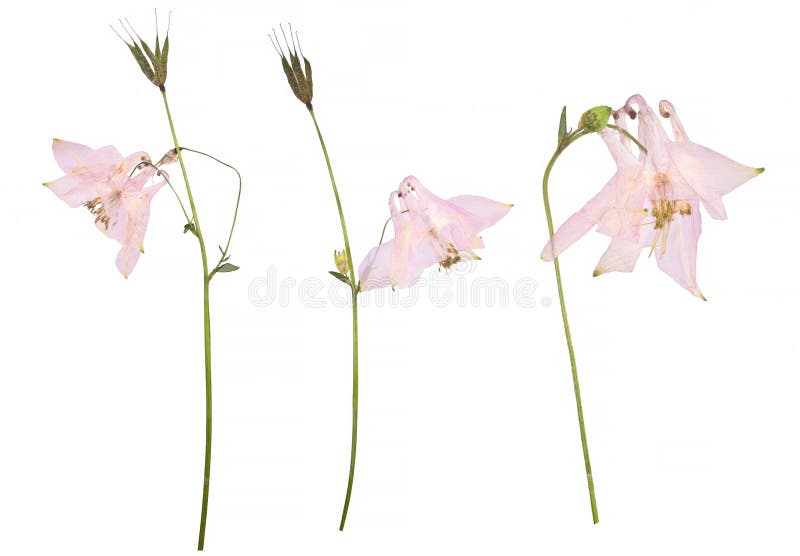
[(153, 63), (298, 75), (595, 118), (340, 258)]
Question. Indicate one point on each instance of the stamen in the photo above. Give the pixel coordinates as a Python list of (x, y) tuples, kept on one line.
[(95, 207)]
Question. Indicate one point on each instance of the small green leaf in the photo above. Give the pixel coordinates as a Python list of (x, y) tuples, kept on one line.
[(339, 276), (562, 125), (227, 267), (189, 227)]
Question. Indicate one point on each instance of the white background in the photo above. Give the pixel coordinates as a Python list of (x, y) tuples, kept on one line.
[(468, 437)]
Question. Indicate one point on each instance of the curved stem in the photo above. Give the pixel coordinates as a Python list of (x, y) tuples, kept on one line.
[(563, 145), (354, 291), (627, 134), (235, 210), (206, 331), (163, 176)]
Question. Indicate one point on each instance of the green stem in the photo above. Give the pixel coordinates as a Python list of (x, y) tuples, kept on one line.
[(627, 134), (206, 330), (222, 257), (354, 291), (577, 134)]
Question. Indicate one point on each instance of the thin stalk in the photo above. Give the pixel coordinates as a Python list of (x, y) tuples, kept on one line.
[(574, 136), (224, 252), (206, 330), (354, 292), (627, 134)]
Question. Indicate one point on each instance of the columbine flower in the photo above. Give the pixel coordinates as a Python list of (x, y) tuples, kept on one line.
[(101, 181), (427, 230), (652, 201)]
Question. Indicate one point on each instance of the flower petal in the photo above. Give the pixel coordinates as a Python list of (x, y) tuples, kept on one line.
[(576, 226), (373, 272), (126, 260), (71, 156), (678, 255), (621, 256), (709, 173), (487, 210)]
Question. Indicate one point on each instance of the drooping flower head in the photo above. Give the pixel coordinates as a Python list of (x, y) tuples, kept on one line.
[(112, 188), (428, 230), (652, 201)]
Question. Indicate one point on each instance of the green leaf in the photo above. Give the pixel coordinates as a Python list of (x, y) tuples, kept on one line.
[(339, 276), (562, 125), (189, 227), (227, 267)]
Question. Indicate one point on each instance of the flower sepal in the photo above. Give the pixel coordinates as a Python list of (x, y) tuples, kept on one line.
[(152, 62)]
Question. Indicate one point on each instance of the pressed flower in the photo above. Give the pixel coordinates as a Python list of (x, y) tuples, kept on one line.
[(652, 201), (100, 180), (428, 230)]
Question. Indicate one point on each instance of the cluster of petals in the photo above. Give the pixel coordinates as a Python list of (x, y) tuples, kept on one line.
[(652, 201), (113, 188), (428, 230)]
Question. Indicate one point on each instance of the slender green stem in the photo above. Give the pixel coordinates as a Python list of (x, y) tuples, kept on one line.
[(574, 136), (354, 292), (224, 252), (627, 134), (206, 331), (163, 176)]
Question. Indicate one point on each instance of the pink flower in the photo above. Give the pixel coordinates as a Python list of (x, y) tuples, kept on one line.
[(101, 181), (653, 199), (427, 230)]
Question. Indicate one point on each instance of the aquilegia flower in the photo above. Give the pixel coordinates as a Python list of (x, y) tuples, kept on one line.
[(102, 181), (427, 230), (653, 199)]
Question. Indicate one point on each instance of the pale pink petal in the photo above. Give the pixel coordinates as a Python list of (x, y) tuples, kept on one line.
[(576, 226), (127, 259), (488, 211), (451, 223), (73, 190), (679, 257), (85, 168), (668, 111), (710, 174), (621, 256), (71, 156), (373, 272)]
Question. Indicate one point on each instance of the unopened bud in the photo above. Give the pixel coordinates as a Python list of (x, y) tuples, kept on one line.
[(340, 258), (595, 118)]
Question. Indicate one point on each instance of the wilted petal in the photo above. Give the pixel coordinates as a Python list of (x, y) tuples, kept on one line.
[(85, 168), (621, 256), (710, 174), (126, 260), (576, 226), (74, 156), (373, 272), (678, 255), (489, 212)]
